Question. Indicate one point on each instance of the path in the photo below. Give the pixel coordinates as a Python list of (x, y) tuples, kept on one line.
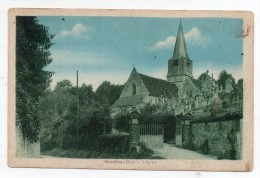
[(47, 156), (169, 151)]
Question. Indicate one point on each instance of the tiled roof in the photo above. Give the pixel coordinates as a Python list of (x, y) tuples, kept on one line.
[(129, 101), (180, 49), (197, 83), (159, 87)]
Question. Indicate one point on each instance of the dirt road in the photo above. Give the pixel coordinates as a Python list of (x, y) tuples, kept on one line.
[(169, 151)]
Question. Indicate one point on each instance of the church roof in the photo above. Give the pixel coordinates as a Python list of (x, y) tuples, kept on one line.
[(159, 87), (197, 83), (129, 101), (180, 49)]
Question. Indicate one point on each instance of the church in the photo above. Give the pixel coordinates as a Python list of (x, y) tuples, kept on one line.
[(179, 93)]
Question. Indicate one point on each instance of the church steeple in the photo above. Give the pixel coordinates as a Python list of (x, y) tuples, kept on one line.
[(180, 50), (180, 65)]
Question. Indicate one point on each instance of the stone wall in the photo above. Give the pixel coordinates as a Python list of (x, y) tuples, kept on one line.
[(219, 136), (152, 141), (25, 149)]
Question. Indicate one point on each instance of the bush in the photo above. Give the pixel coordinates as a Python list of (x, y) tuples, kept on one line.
[(122, 123), (113, 143), (217, 142), (221, 148), (143, 153)]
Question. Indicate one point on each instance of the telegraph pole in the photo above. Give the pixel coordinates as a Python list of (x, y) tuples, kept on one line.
[(77, 110)]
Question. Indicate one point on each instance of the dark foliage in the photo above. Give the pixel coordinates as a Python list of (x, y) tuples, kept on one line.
[(113, 143), (108, 93), (60, 121), (62, 85), (144, 153), (122, 122), (223, 76), (32, 55)]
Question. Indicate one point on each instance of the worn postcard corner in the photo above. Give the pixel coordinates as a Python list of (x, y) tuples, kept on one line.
[(131, 89)]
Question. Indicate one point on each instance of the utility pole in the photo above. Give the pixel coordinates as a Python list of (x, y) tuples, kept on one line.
[(77, 110)]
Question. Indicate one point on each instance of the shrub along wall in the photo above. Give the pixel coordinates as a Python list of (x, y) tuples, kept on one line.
[(218, 138), (122, 122), (113, 143)]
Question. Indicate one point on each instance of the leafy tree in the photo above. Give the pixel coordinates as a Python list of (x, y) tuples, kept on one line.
[(87, 95), (93, 122), (122, 122), (61, 85), (223, 76), (32, 54), (239, 86), (53, 110), (203, 76), (60, 120), (108, 93)]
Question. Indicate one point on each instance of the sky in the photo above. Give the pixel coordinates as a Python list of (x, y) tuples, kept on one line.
[(107, 48)]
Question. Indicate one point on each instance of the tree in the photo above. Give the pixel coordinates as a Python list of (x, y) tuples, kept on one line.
[(203, 76), (32, 54), (61, 85), (52, 112), (108, 93), (239, 86), (58, 112), (93, 122), (122, 122), (223, 76), (86, 95)]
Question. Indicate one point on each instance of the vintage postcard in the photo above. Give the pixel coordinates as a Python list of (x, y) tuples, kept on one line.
[(131, 89)]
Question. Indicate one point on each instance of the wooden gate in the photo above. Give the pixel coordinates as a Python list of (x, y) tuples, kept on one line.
[(152, 135)]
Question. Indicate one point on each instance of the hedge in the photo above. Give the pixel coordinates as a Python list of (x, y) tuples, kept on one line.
[(113, 143)]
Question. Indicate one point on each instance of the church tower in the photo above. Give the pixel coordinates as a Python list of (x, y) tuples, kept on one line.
[(180, 65)]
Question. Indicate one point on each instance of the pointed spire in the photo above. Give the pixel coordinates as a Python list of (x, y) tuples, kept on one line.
[(134, 69), (180, 49)]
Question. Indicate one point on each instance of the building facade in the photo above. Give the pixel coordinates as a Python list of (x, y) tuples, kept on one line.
[(179, 93)]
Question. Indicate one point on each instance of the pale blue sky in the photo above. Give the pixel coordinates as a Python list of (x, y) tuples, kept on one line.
[(106, 48)]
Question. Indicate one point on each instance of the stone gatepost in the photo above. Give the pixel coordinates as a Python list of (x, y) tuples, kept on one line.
[(186, 132), (178, 131), (134, 131), (183, 134)]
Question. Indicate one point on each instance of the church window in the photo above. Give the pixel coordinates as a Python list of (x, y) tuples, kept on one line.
[(134, 89), (188, 63), (123, 111), (175, 63)]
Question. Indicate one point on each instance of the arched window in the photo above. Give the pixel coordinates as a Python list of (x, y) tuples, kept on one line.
[(123, 111), (175, 62), (134, 89)]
